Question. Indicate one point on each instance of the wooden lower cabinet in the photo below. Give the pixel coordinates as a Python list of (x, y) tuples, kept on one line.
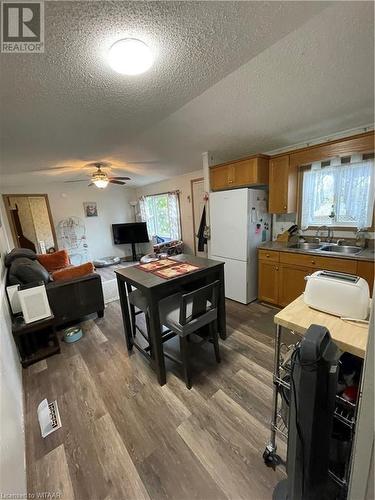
[(268, 277), (366, 270), (291, 282), (282, 274)]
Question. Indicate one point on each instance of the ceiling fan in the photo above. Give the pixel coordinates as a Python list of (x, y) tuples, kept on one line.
[(101, 179)]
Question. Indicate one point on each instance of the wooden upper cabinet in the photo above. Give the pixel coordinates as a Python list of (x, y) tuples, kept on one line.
[(282, 186), (219, 178), (241, 173)]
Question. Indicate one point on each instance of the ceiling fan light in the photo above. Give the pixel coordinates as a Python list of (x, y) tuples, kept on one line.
[(101, 183)]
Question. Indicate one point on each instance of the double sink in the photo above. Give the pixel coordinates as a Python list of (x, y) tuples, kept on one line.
[(329, 248)]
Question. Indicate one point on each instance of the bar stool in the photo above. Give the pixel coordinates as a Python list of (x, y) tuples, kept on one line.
[(138, 305), (138, 300), (187, 313)]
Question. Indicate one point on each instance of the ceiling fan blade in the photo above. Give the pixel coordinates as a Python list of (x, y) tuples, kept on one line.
[(142, 162), (117, 182), (63, 167), (91, 184), (115, 177), (78, 180)]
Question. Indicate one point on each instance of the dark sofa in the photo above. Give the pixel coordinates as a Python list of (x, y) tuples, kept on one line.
[(70, 299)]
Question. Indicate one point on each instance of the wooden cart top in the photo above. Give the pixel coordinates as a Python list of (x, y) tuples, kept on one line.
[(349, 336)]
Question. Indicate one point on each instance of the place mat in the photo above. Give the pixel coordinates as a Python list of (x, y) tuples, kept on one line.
[(149, 267), (176, 270)]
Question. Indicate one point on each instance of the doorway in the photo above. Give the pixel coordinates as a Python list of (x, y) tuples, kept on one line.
[(30, 221), (198, 203)]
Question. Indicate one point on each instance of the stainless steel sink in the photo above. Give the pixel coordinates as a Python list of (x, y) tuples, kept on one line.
[(307, 246), (342, 249)]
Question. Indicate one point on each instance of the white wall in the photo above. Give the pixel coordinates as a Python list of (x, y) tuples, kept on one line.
[(12, 440), (181, 183), (362, 478), (67, 200)]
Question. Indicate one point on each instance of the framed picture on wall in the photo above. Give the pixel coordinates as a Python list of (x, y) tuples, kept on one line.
[(90, 208)]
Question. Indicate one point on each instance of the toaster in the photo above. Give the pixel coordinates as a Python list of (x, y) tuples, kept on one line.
[(336, 293)]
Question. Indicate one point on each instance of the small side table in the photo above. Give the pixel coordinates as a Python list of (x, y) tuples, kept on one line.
[(35, 341)]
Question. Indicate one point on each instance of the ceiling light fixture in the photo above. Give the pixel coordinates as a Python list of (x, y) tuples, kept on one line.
[(101, 183), (130, 56), (100, 179)]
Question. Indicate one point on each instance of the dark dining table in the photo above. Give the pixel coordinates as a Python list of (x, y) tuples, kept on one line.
[(156, 288)]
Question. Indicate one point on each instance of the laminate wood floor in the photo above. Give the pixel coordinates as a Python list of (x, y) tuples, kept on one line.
[(125, 437)]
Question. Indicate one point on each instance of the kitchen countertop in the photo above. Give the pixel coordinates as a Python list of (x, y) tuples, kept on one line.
[(349, 336), (367, 254)]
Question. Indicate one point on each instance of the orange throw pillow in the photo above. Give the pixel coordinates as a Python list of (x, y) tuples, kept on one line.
[(73, 272), (54, 261)]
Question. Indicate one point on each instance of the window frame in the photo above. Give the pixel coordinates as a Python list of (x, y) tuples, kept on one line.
[(305, 168), (167, 193)]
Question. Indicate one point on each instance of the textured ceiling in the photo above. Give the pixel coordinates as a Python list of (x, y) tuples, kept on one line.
[(230, 77)]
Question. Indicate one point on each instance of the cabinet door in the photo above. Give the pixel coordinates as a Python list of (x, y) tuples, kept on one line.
[(283, 186), (366, 270), (292, 282), (219, 178), (251, 172), (268, 282), (278, 191), (245, 172)]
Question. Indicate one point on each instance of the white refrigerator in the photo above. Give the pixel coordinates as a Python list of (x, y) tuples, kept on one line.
[(239, 224)]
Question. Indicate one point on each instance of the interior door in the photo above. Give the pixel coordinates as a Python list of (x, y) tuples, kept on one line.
[(197, 191), (21, 240)]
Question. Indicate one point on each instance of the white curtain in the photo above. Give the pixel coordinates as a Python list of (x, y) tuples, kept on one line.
[(174, 215), (162, 214), (339, 196)]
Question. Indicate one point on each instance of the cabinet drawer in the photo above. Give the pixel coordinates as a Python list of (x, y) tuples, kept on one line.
[(317, 262), (270, 255)]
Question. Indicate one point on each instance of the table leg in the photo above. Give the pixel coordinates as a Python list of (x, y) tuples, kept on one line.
[(222, 322), (270, 452), (125, 313), (155, 339)]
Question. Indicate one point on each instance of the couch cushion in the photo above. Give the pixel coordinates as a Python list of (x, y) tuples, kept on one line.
[(16, 253), (73, 272), (23, 271), (54, 261)]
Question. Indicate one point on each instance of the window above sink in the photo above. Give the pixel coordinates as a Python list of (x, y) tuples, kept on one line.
[(338, 193)]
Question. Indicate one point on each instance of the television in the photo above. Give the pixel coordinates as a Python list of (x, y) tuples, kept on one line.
[(132, 232)]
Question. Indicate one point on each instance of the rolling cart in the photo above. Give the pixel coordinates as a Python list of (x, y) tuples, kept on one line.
[(349, 337)]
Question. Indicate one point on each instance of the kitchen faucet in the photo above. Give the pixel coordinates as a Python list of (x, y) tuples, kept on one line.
[(329, 232), (361, 237)]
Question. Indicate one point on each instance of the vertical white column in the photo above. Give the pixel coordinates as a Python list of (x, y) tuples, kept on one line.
[(207, 161)]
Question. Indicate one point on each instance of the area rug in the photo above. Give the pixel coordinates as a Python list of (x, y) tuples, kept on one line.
[(110, 291)]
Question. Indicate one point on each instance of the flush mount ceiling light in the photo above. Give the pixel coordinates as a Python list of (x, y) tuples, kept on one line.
[(130, 56)]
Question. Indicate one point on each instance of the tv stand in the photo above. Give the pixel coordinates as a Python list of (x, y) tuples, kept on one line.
[(134, 253)]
